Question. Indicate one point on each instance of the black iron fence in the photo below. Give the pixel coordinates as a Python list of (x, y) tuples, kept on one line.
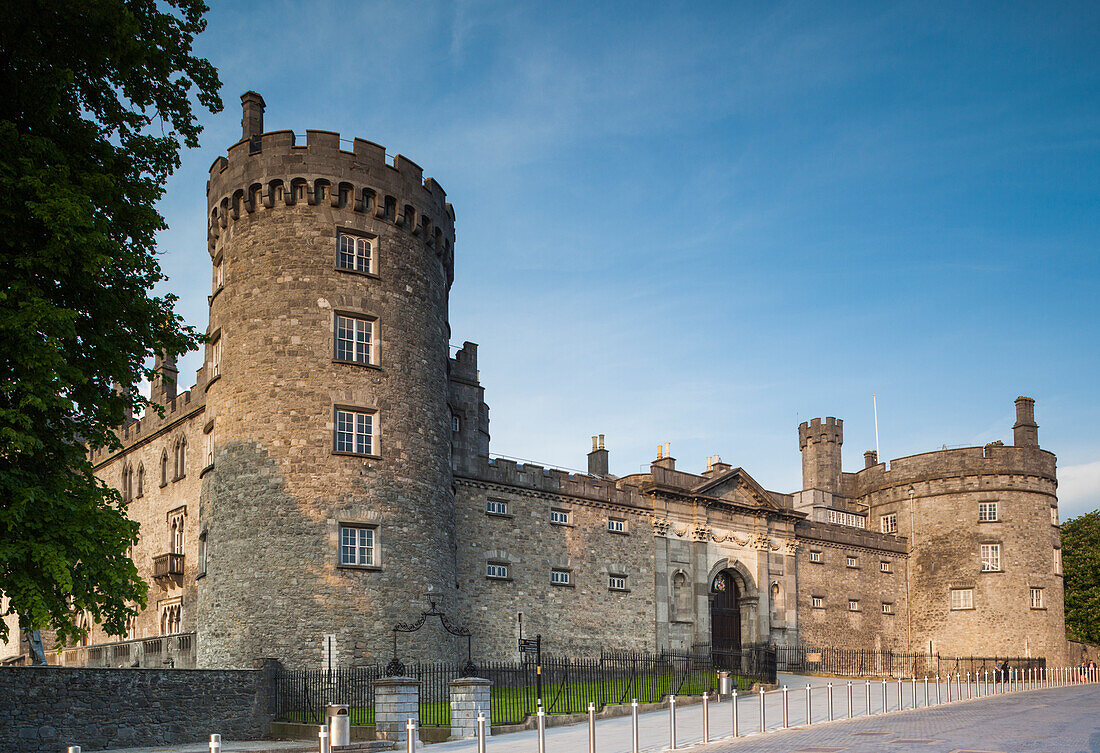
[(568, 684), (844, 662)]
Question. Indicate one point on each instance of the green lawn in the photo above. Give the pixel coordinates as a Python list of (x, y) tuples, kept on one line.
[(511, 705)]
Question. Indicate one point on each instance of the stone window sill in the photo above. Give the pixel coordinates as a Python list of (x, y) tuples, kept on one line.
[(619, 533), (619, 590), (357, 363), (361, 273), (357, 455), (992, 572), (563, 525), (499, 579), (998, 520), (962, 609), (345, 566), (570, 584), (499, 514), (1038, 609)]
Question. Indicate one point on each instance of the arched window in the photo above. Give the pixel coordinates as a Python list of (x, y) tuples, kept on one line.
[(177, 534), (181, 457), (127, 487), (141, 481), (164, 468), (85, 625)]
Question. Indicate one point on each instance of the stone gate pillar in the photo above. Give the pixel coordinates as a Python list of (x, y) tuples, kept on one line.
[(468, 696), (396, 700)]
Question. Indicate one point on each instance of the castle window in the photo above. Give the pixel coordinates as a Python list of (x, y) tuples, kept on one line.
[(208, 449), (127, 485), (496, 507), (456, 423), (962, 598), (847, 519), (354, 339), (164, 468), (887, 608), (991, 558), (851, 561), (987, 512), (1054, 516), (354, 252), (216, 358), (561, 517), (1037, 598), (560, 577), (358, 545), (853, 605), (817, 602), (616, 582), (131, 628), (889, 523), (496, 571), (203, 555), (616, 525), (816, 556), (1057, 561), (884, 566), (181, 458), (170, 617), (219, 279), (354, 432), (175, 531)]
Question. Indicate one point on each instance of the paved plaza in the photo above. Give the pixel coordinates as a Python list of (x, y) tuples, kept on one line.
[(1055, 720)]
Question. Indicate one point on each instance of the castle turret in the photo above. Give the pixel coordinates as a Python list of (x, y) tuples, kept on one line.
[(328, 508), (820, 443), (1025, 432)]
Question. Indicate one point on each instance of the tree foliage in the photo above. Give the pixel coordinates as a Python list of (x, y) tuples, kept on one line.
[(95, 98), (1081, 568)]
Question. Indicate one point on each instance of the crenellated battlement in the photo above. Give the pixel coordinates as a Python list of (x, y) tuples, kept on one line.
[(993, 459), (134, 432), (817, 430), (556, 481), (273, 170)]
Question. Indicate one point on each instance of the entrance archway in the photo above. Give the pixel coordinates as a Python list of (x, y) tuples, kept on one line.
[(725, 612)]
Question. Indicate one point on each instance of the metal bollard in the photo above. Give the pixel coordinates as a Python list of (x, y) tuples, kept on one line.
[(885, 708), (968, 686), (867, 696), (672, 722), (763, 728), (480, 731), (809, 715), (323, 735), (986, 685), (830, 701), (926, 691), (591, 727), (706, 719), (850, 712), (633, 726), (959, 686), (72, 749), (901, 696), (410, 736), (215, 744), (541, 718), (734, 712), (786, 709)]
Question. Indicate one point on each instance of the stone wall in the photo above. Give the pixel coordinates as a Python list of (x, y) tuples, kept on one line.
[(834, 581), (47, 709), (579, 617)]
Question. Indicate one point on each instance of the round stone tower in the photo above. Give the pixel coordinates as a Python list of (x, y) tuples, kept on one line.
[(327, 510)]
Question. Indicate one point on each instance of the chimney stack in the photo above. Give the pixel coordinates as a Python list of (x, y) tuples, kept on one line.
[(870, 458), (164, 383), (597, 459), (1025, 432), (252, 118)]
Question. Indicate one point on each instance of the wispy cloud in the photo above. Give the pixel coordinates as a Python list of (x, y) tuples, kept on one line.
[(1078, 489)]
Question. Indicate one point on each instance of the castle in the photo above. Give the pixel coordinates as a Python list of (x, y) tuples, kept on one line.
[(330, 467)]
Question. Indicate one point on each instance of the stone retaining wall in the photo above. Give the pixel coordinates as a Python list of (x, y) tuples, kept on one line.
[(49, 708)]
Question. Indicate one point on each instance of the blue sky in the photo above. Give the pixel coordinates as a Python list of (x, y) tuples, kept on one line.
[(705, 223)]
